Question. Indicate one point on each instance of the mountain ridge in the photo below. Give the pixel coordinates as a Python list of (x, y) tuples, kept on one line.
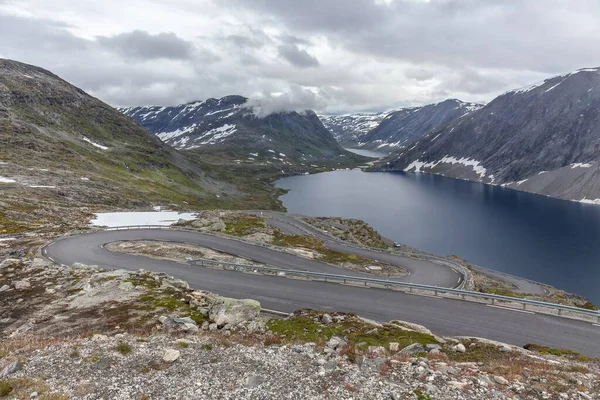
[(229, 124), (543, 138)]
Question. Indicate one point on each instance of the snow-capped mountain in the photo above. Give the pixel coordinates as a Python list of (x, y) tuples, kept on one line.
[(544, 138), (229, 124), (348, 129), (401, 127)]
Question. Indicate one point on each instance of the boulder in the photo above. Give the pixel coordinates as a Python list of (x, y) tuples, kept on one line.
[(4, 288), (394, 346), (378, 351), (500, 380), (326, 319), (413, 349), (21, 285), (460, 348), (232, 311), (171, 355), (336, 343), (255, 380), (11, 369), (9, 262)]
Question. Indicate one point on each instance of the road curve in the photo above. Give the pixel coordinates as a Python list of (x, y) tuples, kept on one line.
[(442, 316), (292, 225)]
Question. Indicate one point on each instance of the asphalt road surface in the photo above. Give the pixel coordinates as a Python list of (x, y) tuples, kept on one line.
[(442, 316)]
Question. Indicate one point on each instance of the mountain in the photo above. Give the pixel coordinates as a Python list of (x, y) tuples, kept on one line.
[(60, 147), (348, 129), (230, 125), (401, 127), (543, 138)]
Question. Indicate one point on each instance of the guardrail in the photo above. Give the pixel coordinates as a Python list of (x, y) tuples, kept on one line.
[(454, 265), (435, 291), (495, 300)]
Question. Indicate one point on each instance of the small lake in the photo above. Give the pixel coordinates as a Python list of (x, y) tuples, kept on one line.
[(368, 153), (537, 237)]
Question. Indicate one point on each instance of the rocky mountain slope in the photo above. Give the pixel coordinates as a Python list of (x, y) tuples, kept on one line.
[(544, 138), (348, 129), (230, 125), (75, 332), (59, 143), (401, 127)]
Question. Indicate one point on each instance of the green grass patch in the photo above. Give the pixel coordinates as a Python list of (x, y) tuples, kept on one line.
[(327, 255), (182, 344), (123, 348), (504, 292), (303, 328), (206, 347), (242, 225), (556, 352), (5, 388)]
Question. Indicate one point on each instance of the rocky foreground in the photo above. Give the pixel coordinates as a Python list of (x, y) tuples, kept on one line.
[(83, 333)]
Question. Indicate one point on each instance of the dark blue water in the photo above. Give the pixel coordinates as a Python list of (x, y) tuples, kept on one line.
[(537, 237)]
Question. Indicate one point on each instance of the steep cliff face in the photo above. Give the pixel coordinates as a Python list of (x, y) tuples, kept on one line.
[(402, 127), (544, 138)]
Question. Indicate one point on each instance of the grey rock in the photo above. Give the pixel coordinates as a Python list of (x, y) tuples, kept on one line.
[(433, 346), (103, 364), (171, 355), (255, 380), (336, 342), (4, 288), (213, 327), (232, 311), (413, 349), (326, 319), (459, 348), (500, 380), (21, 285), (11, 368), (9, 262), (205, 325), (185, 320)]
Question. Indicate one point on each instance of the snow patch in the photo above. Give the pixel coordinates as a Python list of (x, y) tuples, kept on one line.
[(95, 144), (476, 165), (581, 165), (6, 180), (163, 218), (589, 201)]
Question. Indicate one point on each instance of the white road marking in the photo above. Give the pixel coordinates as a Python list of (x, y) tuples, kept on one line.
[(51, 259), (45, 251), (512, 309), (596, 324)]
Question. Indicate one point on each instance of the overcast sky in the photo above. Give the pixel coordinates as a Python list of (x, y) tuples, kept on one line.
[(329, 55)]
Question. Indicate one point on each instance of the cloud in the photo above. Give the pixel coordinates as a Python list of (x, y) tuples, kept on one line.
[(299, 58), (297, 99), (142, 45), (319, 54)]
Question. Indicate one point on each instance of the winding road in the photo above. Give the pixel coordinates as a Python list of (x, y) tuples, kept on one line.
[(442, 316)]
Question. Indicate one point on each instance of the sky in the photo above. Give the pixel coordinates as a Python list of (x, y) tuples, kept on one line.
[(333, 56)]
